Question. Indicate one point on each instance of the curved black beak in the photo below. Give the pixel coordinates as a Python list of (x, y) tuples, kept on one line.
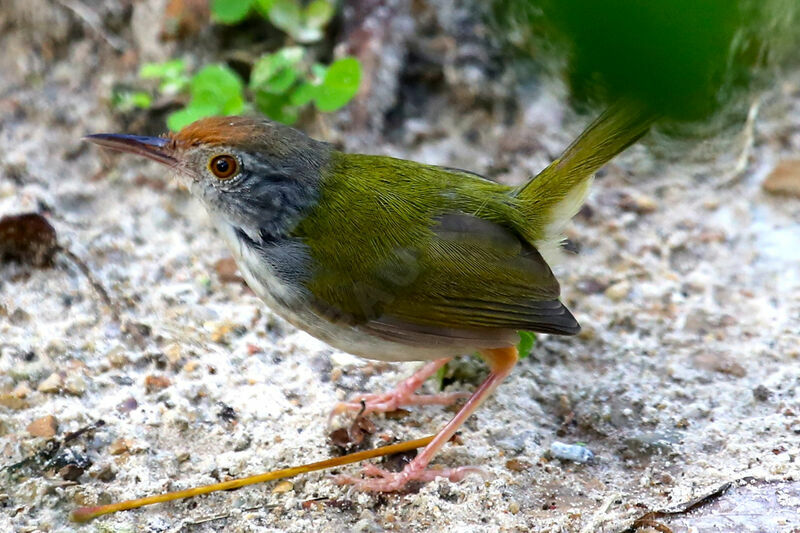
[(155, 148)]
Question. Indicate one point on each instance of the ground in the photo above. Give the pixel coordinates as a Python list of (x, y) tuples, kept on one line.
[(685, 280)]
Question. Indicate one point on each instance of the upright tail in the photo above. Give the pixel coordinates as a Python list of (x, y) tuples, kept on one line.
[(551, 198)]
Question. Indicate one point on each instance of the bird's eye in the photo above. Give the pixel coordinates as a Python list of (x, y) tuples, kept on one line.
[(224, 167)]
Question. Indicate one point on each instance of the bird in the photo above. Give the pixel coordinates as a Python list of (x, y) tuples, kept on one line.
[(391, 259)]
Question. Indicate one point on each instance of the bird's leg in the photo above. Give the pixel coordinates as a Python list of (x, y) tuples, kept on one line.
[(402, 395), (501, 361)]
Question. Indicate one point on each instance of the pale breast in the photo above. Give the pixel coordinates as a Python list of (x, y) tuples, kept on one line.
[(278, 283)]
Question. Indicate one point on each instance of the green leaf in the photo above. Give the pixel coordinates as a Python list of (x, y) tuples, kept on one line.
[(440, 375), (318, 13), (318, 70), (526, 341), (277, 107), (184, 117), (277, 72), (168, 69), (303, 94), (141, 99), (263, 7), (218, 85), (340, 84), (285, 14), (125, 100), (230, 11)]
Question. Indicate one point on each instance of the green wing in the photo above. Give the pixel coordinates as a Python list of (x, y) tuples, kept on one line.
[(427, 252)]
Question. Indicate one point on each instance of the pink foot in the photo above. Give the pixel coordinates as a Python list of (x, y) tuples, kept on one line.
[(403, 395), (379, 480), (391, 401)]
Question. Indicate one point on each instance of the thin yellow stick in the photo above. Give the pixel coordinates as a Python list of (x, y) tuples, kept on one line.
[(84, 514)]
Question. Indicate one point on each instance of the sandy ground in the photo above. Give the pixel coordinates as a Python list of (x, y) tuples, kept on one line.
[(684, 378)]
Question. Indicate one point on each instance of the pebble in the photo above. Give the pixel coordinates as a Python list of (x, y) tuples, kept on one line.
[(283, 486), (116, 357), (784, 180), (75, 384), (120, 446), (227, 270), (51, 384), (638, 203), (219, 330), (571, 452), (516, 465), (618, 291), (45, 427), (719, 362), (154, 383), (12, 401)]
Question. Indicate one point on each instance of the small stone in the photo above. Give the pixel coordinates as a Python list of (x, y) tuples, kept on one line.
[(105, 473), (719, 362), (516, 465), (22, 390), (51, 384), (116, 357), (651, 443), (220, 330), (638, 203), (191, 366), (75, 384), (571, 452), (513, 507), (174, 353), (120, 446), (283, 486), (127, 405), (618, 291), (155, 383), (784, 180), (227, 271), (761, 393), (45, 427), (12, 401), (70, 472)]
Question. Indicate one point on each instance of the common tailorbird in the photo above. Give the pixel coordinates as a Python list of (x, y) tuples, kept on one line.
[(390, 259)]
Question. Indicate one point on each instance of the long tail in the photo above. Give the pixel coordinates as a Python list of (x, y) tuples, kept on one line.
[(551, 198)]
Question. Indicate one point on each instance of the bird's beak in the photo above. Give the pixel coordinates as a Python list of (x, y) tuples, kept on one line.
[(155, 148)]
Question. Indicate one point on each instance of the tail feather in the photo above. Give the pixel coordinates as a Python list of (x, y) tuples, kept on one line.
[(554, 196)]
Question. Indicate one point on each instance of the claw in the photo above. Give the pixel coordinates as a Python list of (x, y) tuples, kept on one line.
[(378, 480)]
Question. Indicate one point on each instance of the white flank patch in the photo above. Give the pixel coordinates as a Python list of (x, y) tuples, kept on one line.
[(560, 215)]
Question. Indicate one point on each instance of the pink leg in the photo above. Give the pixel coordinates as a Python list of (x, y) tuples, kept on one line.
[(501, 361), (402, 395)]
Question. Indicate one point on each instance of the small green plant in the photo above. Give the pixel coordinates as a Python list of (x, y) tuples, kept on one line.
[(303, 23), (527, 339), (281, 83)]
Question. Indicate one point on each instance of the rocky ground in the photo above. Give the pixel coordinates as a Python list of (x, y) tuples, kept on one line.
[(685, 280)]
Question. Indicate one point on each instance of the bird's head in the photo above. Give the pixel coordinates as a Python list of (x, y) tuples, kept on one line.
[(256, 175)]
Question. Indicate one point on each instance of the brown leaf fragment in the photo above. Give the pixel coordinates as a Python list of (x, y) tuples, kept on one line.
[(353, 437), (27, 239)]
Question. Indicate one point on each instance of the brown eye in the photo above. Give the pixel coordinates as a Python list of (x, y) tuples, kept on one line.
[(223, 166)]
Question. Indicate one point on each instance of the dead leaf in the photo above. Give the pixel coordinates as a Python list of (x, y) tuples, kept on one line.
[(28, 239)]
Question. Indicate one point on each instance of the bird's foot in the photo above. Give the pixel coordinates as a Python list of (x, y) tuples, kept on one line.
[(402, 396), (393, 400), (378, 480)]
